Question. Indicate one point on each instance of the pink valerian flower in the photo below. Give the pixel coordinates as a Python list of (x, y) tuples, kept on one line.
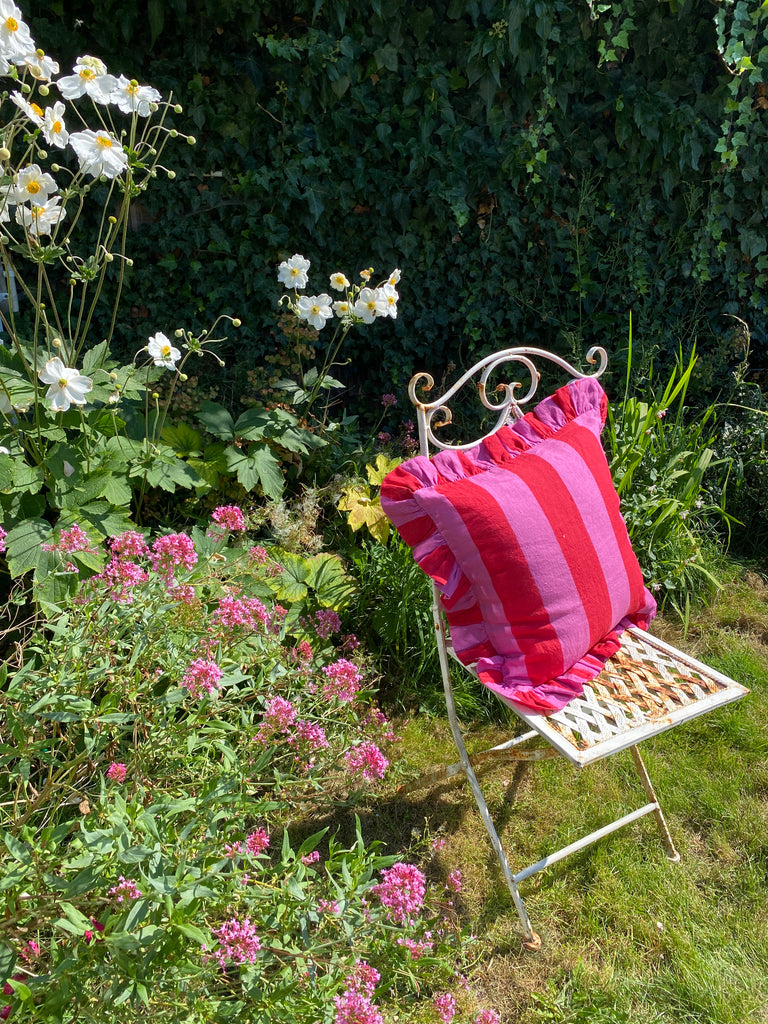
[(353, 1007), (171, 551), (388, 401), (257, 842), (279, 715), (3, 545), (303, 652), (401, 892), (71, 540), (328, 907), (367, 760), (415, 948), (363, 978), (29, 952), (202, 677), (326, 623), (129, 543), (310, 858), (238, 942), (349, 642), (311, 734), (229, 516), (278, 615), (126, 889), (232, 850), (98, 927), (487, 1017), (445, 1005), (181, 592), (122, 576), (273, 569), (454, 882), (384, 436), (258, 554), (438, 844), (117, 771), (240, 612), (343, 678)]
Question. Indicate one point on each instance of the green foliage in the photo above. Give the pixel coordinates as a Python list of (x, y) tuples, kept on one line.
[(659, 454), (535, 167), (142, 815)]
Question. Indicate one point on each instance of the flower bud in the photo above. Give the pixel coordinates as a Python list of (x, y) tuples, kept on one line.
[(129, 262), (178, 333), (5, 153), (236, 322), (178, 109), (108, 257), (113, 376), (55, 167), (112, 220), (43, 90), (191, 140), (173, 133), (171, 175), (43, 154), (183, 376), (155, 396), (25, 87), (56, 343)]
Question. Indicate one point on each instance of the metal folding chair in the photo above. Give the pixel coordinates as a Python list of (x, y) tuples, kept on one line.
[(646, 688)]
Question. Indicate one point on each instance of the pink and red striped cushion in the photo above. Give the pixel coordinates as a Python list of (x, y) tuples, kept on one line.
[(524, 538)]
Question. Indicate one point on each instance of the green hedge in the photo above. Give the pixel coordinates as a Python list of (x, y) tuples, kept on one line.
[(537, 169)]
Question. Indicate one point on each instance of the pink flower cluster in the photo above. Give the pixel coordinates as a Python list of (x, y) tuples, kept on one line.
[(326, 622), (343, 678), (417, 949), (257, 842), (355, 1004), (202, 677), (129, 544), (121, 576), (445, 1005), (73, 539), (126, 889), (240, 612), (238, 942), (310, 858), (388, 401), (116, 771), (258, 554), (311, 734), (170, 552), (3, 545), (279, 716), (367, 760), (401, 891), (454, 882), (487, 1017), (229, 516)]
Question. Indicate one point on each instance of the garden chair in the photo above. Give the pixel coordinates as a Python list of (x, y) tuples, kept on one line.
[(536, 590)]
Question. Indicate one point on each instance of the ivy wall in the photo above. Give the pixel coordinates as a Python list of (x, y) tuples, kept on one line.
[(536, 168)]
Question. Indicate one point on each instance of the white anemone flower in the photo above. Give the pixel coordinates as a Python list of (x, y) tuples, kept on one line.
[(132, 98), (342, 308), (33, 112), (32, 184), (293, 272), (100, 154), (41, 218), (315, 309), (67, 385), (15, 38), (53, 127), (162, 351), (390, 297), (339, 282), (40, 65), (89, 78), (394, 277), (370, 304)]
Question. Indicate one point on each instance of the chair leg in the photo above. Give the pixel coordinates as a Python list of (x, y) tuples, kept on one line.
[(666, 838), (531, 940)]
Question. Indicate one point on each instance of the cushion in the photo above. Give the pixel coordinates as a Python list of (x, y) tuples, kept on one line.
[(523, 536)]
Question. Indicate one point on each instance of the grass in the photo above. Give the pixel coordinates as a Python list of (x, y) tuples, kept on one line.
[(627, 936)]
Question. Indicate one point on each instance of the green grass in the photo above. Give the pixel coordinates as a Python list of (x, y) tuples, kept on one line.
[(627, 935)]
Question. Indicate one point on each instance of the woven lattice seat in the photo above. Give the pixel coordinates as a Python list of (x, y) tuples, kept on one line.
[(646, 688)]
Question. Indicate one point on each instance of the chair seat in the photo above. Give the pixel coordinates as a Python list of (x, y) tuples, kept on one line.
[(646, 688)]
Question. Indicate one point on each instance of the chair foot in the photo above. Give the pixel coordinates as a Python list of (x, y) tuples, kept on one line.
[(533, 945), (673, 858)]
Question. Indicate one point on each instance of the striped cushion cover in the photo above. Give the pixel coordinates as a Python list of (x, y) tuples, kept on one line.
[(524, 538)]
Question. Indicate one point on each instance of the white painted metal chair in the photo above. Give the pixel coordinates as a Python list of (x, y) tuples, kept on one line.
[(644, 689)]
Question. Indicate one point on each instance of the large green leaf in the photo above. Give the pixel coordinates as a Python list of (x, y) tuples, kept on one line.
[(217, 420), (24, 545)]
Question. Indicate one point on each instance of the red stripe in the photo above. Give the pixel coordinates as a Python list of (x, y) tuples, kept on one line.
[(416, 531), (581, 439), (498, 548)]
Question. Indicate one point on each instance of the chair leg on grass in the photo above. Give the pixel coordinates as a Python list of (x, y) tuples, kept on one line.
[(666, 838)]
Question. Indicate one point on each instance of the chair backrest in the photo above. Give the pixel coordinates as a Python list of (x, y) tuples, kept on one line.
[(437, 413)]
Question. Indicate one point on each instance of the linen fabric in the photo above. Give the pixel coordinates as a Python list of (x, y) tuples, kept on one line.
[(523, 536)]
